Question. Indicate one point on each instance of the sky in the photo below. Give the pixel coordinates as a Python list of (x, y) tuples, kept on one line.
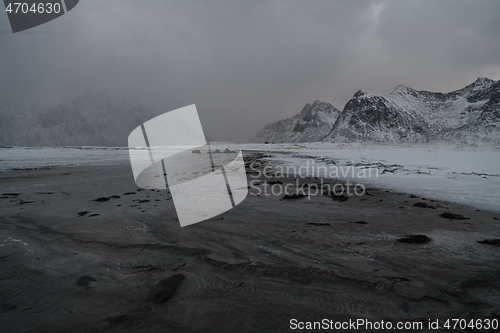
[(248, 63)]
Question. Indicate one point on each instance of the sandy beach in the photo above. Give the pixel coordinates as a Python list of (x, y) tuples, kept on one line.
[(83, 249)]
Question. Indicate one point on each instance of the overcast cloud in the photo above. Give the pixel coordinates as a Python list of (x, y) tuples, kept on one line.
[(248, 63)]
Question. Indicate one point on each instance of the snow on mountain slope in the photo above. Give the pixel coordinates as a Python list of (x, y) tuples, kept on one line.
[(470, 114), (101, 115), (378, 118), (310, 125)]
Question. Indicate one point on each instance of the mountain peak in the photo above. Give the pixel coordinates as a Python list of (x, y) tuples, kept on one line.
[(310, 125), (483, 80), (360, 93), (407, 115), (401, 88), (322, 105)]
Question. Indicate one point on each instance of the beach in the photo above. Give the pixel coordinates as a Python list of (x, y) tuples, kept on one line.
[(84, 249)]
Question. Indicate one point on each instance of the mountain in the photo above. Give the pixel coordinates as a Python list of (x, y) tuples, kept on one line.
[(101, 115), (470, 114), (311, 124)]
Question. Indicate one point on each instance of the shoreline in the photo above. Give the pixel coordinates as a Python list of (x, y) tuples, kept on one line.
[(459, 173)]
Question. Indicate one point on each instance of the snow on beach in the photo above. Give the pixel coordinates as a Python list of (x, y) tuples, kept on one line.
[(457, 173)]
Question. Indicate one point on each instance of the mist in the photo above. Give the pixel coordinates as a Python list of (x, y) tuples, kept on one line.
[(246, 64)]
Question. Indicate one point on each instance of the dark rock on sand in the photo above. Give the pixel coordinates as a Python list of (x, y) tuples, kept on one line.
[(452, 216), (102, 199), (82, 213), (359, 222), (165, 289), (146, 269), (339, 198), (495, 242), (336, 197), (415, 239), (396, 278), (423, 205), (318, 224), (22, 202), (294, 196), (85, 281)]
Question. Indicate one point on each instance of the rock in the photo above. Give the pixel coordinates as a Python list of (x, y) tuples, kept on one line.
[(495, 242), (452, 216), (423, 205), (294, 196), (85, 281), (336, 197), (165, 289), (415, 239)]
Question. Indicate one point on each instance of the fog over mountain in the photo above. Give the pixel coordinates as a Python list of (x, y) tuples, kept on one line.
[(246, 64), (470, 114), (101, 115), (104, 115)]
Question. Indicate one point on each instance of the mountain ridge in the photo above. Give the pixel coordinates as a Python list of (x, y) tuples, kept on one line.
[(311, 123), (470, 114)]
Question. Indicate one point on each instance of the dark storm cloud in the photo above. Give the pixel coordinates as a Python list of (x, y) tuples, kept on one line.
[(247, 63)]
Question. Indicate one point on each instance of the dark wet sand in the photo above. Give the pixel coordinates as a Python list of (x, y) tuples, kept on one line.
[(69, 263)]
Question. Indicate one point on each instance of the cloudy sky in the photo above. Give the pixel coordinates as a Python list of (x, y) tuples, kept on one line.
[(248, 63)]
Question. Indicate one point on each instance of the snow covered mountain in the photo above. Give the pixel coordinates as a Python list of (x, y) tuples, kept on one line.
[(101, 115), (471, 114), (310, 125)]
